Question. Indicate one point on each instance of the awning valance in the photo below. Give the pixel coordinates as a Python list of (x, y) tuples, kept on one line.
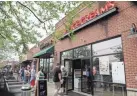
[(48, 50)]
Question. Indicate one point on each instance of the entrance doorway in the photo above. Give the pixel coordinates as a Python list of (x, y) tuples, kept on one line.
[(79, 77), (69, 68), (77, 74), (85, 76)]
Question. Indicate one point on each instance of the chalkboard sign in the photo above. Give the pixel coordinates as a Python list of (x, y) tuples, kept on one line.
[(42, 87)]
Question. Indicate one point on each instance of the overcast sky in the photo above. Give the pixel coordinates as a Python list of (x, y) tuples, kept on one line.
[(42, 31)]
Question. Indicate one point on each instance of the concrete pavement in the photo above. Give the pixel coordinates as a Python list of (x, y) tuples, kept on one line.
[(50, 88), (51, 91)]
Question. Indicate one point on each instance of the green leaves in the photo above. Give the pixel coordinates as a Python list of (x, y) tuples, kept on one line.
[(19, 22)]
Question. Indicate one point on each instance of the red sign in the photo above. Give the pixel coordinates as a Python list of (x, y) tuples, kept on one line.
[(109, 5)]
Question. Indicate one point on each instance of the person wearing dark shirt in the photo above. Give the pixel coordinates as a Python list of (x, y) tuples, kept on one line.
[(88, 74), (57, 79)]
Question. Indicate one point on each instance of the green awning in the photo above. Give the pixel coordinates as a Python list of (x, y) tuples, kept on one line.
[(48, 50)]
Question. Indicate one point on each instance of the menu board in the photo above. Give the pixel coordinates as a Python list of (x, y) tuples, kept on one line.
[(104, 65), (118, 74), (42, 88)]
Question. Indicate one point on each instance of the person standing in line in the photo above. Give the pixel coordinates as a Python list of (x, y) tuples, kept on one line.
[(27, 76), (93, 73), (18, 71), (32, 78), (39, 76), (57, 79), (22, 74), (25, 69), (88, 75), (64, 77)]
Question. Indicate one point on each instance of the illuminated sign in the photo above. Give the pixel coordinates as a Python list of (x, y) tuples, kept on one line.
[(109, 5), (92, 17)]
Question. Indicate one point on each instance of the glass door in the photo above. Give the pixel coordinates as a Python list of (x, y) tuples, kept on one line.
[(69, 68), (86, 76)]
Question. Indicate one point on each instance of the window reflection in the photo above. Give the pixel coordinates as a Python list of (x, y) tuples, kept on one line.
[(47, 65), (107, 78), (103, 82), (108, 47), (81, 52), (66, 55), (41, 63)]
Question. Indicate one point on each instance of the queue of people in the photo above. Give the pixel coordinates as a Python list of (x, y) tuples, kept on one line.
[(60, 75), (27, 75), (59, 79)]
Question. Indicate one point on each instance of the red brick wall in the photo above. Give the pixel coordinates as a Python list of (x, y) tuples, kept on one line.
[(36, 49), (31, 52), (118, 24)]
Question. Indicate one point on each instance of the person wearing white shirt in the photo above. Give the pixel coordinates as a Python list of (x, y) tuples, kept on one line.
[(33, 74)]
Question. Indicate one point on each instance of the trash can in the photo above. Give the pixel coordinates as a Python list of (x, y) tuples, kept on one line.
[(26, 90)]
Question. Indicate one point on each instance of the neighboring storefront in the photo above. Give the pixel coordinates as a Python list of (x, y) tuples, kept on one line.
[(26, 63), (102, 47), (45, 56)]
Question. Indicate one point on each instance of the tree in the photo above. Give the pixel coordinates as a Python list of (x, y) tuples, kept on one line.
[(19, 22)]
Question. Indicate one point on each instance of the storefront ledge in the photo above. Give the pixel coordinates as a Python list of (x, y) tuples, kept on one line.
[(132, 36), (82, 93), (131, 92), (132, 89), (108, 13)]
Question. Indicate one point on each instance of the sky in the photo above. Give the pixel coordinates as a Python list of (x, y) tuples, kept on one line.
[(42, 31)]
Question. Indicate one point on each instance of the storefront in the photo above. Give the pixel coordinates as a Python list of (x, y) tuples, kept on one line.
[(46, 59), (101, 60), (47, 64), (26, 63), (103, 57)]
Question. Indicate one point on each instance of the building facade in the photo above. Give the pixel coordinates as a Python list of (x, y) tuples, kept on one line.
[(103, 47), (45, 56)]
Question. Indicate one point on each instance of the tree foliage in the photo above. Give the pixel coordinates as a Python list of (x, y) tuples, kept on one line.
[(19, 22)]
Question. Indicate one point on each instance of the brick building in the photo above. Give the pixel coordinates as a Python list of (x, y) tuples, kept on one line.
[(28, 57), (45, 56), (104, 46)]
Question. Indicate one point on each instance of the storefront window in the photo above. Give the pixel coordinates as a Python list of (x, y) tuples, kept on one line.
[(47, 65), (66, 55), (50, 69), (103, 65), (81, 52), (107, 47), (45, 69), (108, 68), (41, 63)]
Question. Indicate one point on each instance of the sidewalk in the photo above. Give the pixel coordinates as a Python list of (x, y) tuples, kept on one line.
[(51, 90)]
